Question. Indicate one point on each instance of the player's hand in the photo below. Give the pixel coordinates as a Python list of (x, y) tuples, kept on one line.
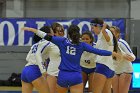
[(104, 25), (128, 57), (117, 55)]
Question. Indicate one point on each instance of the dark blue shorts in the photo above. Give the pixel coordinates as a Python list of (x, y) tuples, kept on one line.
[(88, 70), (105, 70), (30, 73), (67, 79)]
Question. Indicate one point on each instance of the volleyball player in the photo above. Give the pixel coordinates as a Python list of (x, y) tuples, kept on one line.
[(104, 71), (34, 73), (87, 61), (123, 66), (71, 50), (54, 55)]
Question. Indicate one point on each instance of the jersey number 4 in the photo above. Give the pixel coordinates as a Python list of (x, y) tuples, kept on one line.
[(71, 50)]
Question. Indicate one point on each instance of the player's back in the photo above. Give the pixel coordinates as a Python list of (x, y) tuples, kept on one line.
[(70, 54), (38, 49)]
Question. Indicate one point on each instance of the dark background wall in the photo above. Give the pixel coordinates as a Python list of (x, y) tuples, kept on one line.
[(12, 59)]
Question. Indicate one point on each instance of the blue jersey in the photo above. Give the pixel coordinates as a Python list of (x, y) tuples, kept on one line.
[(71, 53)]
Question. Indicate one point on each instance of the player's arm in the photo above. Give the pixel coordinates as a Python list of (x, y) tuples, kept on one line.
[(55, 39), (105, 34), (127, 52), (37, 32), (90, 49)]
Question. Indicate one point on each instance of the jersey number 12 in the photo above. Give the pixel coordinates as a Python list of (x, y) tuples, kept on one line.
[(71, 50)]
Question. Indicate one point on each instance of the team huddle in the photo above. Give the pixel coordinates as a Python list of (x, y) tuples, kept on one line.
[(77, 59)]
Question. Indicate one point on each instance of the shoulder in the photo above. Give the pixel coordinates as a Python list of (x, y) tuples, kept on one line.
[(121, 41), (59, 37), (123, 44), (44, 42), (58, 40)]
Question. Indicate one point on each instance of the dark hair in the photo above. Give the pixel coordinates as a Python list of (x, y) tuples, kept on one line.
[(115, 40), (115, 43), (74, 34), (89, 34), (45, 29), (97, 21), (56, 27)]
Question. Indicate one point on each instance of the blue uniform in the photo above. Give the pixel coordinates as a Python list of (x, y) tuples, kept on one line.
[(30, 73), (88, 70), (70, 60), (103, 69)]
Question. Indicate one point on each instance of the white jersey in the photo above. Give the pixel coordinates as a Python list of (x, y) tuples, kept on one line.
[(38, 55), (54, 55), (88, 60), (123, 65), (45, 49), (103, 44)]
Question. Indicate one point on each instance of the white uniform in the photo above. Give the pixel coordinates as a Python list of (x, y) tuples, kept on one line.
[(88, 60), (54, 55), (38, 55), (103, 44), (122, 65), (45, 49)]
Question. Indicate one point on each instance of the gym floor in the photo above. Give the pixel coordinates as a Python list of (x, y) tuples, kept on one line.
[(4, 89), (12, 90)]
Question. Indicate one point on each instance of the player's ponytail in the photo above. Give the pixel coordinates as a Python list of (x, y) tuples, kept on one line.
[(115, 43), (115, 40)]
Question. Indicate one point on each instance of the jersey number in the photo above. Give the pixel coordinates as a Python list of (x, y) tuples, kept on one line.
[(71, 50), (34, 49), (87, 61)]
